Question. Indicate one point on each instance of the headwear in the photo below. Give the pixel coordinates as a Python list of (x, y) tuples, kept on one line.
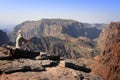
[(20, 32)]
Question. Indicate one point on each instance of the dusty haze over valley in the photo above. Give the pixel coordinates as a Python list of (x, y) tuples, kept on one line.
[(59, 40)]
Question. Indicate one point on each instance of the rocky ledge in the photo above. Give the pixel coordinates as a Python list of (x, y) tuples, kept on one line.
[(16, 64)]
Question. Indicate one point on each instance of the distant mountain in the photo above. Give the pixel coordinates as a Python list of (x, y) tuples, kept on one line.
[(3, 38), (96, 25), (58, 28), (109, 43), (7, 28)]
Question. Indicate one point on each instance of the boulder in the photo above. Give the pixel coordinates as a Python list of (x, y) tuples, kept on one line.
[(41, 58), (70, 63), (49, 63)]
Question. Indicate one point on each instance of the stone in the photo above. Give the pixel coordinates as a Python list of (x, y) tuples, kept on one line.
[(48, 63), (41, 58), (20, 65), (70, 63), (4, 54), (45, 56)]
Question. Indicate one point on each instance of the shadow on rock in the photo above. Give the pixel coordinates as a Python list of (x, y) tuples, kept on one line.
[(18, 53)]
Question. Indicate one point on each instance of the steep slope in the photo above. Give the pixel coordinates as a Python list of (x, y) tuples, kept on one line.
[(55, 27), (110, 53), (3, 38), (64, 48)]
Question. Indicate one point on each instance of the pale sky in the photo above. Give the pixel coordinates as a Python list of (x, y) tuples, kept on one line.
[(90, 11)]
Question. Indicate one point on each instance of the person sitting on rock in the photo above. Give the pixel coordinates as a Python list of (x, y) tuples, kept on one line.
[(21, 42)]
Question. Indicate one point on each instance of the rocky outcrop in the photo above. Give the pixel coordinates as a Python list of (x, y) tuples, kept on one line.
[(70, 63), (18, 53), (3, 38), (110, 52), (34, 69), (56, 28), (21, 65)]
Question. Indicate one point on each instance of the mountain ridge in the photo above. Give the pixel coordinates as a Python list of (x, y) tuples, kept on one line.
[(4, 39), (55, 27)]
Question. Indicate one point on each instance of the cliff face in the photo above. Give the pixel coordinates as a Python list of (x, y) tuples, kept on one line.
[(80, 48), (110, 53), (3, 38), (55, 27)]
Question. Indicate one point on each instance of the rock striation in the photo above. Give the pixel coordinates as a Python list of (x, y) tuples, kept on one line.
[(59, 28), (109, 42), (66, 49)]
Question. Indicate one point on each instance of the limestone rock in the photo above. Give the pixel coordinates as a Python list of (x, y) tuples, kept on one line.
[(109, 43), (75, 65), (20, 65), (49, 63)]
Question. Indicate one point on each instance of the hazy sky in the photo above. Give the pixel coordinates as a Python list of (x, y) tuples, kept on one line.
[(91, 11)]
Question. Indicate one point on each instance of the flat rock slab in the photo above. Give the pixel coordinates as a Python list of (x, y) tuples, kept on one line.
[(45, 56), (48, 63), (20, 65), (18, 53), (70, 63)]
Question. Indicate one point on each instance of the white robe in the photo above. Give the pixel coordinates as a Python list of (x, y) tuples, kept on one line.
[(17, 41)]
